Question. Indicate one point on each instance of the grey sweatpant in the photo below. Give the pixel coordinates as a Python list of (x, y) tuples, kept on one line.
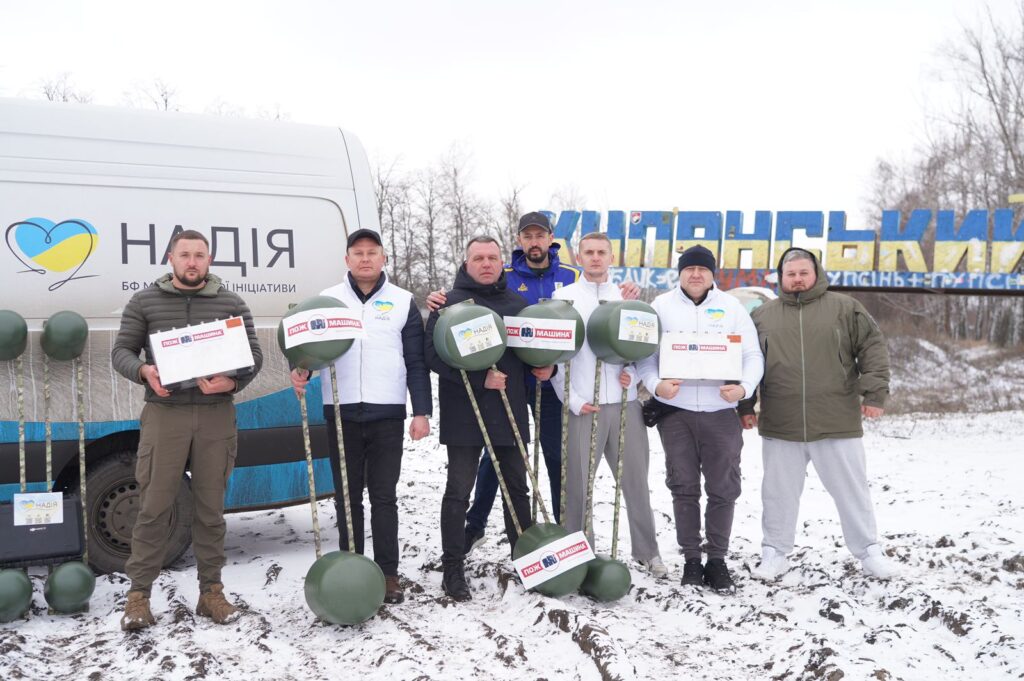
[(840, 464), (635, 491), (707, 443)]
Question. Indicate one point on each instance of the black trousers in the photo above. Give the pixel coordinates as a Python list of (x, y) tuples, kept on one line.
[(373, 455), (462, 469)]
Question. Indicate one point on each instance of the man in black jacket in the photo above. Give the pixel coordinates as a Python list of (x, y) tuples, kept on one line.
[(481, 278), (194, 425)]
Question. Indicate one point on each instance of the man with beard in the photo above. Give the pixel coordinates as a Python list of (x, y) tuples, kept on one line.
[(483, 279), (826, 367), (193, 425)]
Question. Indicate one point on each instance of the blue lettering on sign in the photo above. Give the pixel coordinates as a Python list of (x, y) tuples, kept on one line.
[(318, 324), (549, 560), (186, 339), (526, 332)]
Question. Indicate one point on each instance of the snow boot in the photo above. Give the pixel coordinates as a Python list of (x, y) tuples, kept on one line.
[(454, 582), (693, 572), (717, 577), (137, 614)]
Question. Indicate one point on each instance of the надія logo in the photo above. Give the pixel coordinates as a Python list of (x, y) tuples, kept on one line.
[(44, 246)]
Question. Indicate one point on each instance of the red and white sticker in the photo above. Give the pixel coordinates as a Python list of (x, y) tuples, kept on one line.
[(322, 324), (542, 334), (553, 559)]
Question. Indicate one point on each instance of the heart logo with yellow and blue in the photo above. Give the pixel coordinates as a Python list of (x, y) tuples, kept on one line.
[(715, 313), (383, 305), (44, 246)]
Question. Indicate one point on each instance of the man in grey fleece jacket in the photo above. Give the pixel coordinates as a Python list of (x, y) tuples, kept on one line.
[(187, 425)]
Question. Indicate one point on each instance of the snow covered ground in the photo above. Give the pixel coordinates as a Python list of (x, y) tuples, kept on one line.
[(950, 508)]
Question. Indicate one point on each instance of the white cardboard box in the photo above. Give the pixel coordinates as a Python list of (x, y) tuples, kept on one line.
[(183, 355), (701, 356)]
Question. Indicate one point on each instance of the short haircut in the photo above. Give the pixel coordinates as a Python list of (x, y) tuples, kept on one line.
[(190, 234), (482, 239), (594, 235), (796, 254)]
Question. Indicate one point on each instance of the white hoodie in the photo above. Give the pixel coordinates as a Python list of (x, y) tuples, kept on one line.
[(718, 313), (585, 296)]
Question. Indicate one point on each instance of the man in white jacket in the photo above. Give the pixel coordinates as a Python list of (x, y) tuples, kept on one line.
[(595, 256), (700, 430), (374, 377)]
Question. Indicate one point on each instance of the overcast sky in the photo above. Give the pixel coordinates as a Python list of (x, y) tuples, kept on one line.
[(639, 105)]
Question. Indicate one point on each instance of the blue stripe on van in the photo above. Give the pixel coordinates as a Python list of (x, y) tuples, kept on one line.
[(282, 483), (8, 491), (270, 411)]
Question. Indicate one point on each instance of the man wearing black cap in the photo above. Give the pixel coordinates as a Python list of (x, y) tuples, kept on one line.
[(374, 376), (700, 430)]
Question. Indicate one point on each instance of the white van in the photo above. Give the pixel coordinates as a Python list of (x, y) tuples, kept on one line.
[(89, 199)]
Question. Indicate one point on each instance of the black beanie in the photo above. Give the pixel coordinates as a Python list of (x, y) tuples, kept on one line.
[(697, 256)]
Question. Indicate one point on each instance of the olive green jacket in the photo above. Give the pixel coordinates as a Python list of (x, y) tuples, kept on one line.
[(824, 357), (161, 307)]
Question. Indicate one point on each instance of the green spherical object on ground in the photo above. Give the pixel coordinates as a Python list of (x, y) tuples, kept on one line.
[(538, 313), (69, 587), (64, 335), (13, 335), (537, 537), (616, 329), (607, 580), (15, 594), (313, 354), (344, 588)]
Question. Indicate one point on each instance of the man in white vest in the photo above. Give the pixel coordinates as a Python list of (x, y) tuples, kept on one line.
[(595, 256), (700, 430), (374, 377)]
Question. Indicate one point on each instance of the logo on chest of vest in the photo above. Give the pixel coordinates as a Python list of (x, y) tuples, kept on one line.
[(382, 308), (522, 287)]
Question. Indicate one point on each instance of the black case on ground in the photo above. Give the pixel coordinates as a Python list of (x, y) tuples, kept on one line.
[(27, 545)]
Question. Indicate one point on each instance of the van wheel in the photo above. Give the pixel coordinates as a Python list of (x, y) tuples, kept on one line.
[(113, 504)]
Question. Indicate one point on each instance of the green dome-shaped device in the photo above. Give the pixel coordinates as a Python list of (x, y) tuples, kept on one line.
[(69, 587), (13, 335), (313, 354), (469, 336), (15, 594), (607, 580), (541, 535), (623, 331), (533, 332), (64, 335), (344, 588)]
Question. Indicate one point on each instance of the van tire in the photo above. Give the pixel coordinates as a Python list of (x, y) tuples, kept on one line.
[(113, 504)]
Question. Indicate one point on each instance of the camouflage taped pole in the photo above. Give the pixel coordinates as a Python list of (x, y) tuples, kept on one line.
[(536, 449), (47, 423), (309, 472), (588, 523), (80, 390), (490, 450), (342, 463), (618, 473), (20, 379), (565, 443), (522, 451)]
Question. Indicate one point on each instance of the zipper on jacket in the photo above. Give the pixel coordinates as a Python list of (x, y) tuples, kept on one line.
[(803, 367)]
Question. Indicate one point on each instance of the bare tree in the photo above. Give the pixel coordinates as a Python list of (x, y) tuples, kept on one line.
[(973, 156), (61, 89), (159, 94), (510, 208), (467, 214)]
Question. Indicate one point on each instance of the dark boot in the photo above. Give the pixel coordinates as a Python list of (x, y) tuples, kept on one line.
[(454, 582), (693, 572), (393, 592), (717, 577)]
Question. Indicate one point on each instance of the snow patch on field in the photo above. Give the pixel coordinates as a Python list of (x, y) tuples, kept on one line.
[(947, 494)]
